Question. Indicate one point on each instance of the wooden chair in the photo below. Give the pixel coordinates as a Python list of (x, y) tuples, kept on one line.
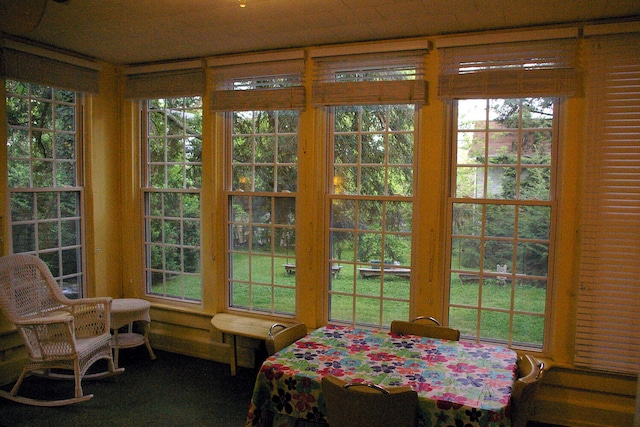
[(59, 333), (523, 395), (276, 341), (422, 329), (360, 404)]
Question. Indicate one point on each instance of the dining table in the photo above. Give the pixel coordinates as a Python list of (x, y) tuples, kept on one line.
[(459, 383)]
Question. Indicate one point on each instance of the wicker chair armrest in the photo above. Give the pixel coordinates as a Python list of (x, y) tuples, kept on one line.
[(50, 320), (90, 301), (92, 316), (49, 338)]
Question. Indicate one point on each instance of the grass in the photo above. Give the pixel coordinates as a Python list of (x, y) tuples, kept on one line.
[(495, 303), (376, 302), (186, 287)]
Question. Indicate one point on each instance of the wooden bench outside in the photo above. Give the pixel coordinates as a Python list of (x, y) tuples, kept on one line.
[(366, 272), (291, 269), (466, 279), (245, 326)]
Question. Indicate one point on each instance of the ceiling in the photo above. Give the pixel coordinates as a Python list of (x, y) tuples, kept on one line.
[(142, 31)]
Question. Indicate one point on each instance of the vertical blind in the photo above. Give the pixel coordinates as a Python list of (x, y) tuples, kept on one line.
[(608, 303), (259, 82), (523, 69)]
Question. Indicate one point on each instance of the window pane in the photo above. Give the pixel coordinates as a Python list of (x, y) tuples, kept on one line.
[(47, 205), (23, 236), (345, 149), (370, 231), (341, 308), (531, 295), (393, 310), (262, 235), (172, 199), (48, 235), (401, 148), (465, 289), (22, 206), (528, 330), (464, 319), (533, 259), (18, 143), (70, 233), (500, 244), (42, 148), (492, 326), (534, 222), (465, 254)]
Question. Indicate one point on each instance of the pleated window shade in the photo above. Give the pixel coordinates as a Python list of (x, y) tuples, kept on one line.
[(47, 71), (165, 84), (608, 312), (510, 70), (276, 85), (385, 78)]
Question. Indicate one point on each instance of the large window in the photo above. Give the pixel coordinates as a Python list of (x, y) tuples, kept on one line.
[(371, 210), (501, 211), (172, 197), (45, 179), (372, 101), (262, 211)]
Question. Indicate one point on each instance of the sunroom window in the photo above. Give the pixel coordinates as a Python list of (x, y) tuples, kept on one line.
[(371, 211), (372, 102), (172, 197), (262, 211), (501, 216), (44, 176), (260, 104)]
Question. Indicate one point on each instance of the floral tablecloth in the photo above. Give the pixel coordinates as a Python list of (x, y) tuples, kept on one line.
[(458, 383)]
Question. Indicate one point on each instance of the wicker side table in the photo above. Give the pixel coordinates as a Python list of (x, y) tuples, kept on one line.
[(125, 311)]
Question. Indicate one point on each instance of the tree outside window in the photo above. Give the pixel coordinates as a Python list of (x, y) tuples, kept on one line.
[(371, 211), (44, 178), (172, 198), (501, 216), (262, 211)]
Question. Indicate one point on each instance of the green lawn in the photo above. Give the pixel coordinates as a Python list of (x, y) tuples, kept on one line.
[(495, 299), (174, 287)]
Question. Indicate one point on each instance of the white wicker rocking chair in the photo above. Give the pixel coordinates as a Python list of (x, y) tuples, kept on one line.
[(59, 333)]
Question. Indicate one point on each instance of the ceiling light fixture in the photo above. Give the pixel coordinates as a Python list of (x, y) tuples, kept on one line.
[(243, 3)]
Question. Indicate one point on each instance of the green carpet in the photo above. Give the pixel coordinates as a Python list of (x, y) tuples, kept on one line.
[(173, 390)]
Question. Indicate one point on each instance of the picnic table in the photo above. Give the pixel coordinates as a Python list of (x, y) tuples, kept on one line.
[(366, 272), (291, 269)]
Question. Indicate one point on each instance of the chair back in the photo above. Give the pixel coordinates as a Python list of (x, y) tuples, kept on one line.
[(287, 335), (523, 395), (402, 327), (28, 289), (360, 404)]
